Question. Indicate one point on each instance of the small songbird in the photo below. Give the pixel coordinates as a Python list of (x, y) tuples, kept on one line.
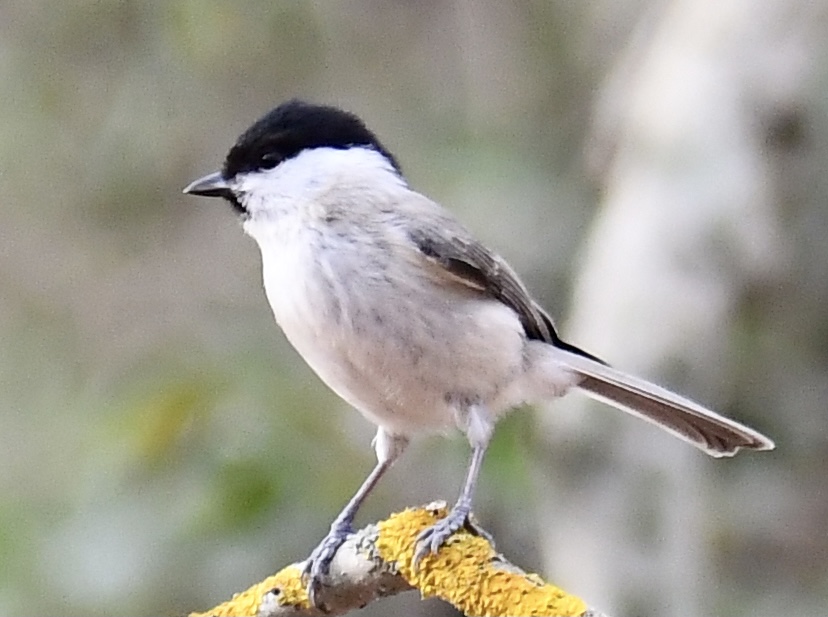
[(402, 313)]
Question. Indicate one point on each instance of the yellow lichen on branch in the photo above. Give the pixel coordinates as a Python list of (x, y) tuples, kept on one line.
[(466, 572), (379, 560), (288, 582)]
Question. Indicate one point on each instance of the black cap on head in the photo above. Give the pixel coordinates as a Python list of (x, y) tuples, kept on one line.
[(295, 126)]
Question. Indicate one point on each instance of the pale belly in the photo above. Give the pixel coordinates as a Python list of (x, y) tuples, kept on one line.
[(407, 358)]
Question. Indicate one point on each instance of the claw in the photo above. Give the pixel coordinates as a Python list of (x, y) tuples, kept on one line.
[(433, 538), (318, 565), (477, 530)]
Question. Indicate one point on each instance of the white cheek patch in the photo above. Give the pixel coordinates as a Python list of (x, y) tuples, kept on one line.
[(310, 173)]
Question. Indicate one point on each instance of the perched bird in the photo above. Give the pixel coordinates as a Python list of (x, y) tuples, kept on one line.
[(403, 313)]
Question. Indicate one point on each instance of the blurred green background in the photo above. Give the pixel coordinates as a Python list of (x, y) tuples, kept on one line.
[(162, 446)]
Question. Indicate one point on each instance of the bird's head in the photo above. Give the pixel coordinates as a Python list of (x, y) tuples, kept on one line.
[(289, 150)]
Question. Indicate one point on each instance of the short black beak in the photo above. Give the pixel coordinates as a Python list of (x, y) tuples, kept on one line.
[(212, 185)]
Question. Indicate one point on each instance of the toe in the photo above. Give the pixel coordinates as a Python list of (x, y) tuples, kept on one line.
[(318, 565), (477, 530), (433, 538)]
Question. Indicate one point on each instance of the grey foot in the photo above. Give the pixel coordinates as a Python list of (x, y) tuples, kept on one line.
[(433, 538), (319, 563)]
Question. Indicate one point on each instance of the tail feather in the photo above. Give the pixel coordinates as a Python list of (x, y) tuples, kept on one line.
[(705, 429)]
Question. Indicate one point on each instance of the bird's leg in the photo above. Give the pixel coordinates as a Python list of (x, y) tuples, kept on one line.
[(479, 431), (388, 448)]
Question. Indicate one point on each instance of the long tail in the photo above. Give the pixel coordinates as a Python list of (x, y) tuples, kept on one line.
[(705, 429)]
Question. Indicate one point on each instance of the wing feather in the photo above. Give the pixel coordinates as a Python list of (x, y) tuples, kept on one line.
[(460, 255), (478, 268)]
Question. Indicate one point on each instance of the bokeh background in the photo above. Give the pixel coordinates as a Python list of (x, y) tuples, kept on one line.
[(655, 169)]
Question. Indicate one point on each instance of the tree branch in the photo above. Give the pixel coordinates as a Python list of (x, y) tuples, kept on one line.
[(377, 561)]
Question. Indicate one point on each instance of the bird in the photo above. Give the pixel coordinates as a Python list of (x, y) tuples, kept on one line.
[(396, 306)]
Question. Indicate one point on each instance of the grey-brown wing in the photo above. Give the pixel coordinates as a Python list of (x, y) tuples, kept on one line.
[(479, 268)]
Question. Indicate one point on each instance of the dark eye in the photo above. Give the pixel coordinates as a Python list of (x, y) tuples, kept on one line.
[(269, 160)]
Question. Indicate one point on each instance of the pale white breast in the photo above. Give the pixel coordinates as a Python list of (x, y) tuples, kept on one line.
[(299, 296)]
